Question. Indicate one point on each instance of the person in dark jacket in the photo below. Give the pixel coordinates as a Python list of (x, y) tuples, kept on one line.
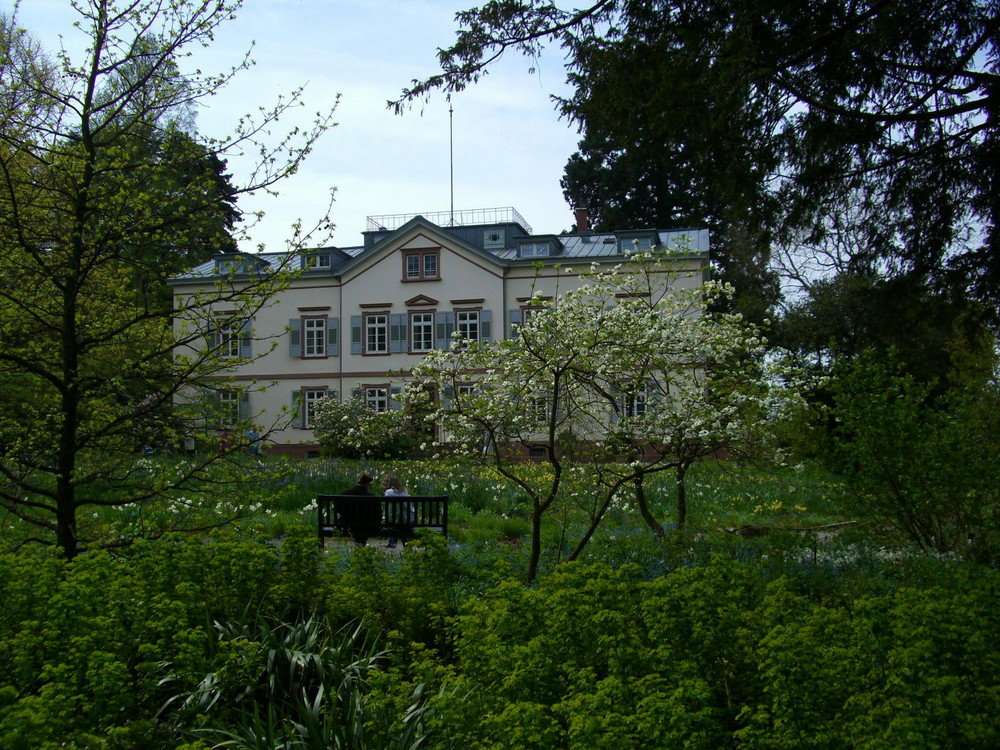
[(367, 512)]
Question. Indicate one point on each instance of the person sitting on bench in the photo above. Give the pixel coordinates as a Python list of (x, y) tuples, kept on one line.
[(397, 515), (370, 513)]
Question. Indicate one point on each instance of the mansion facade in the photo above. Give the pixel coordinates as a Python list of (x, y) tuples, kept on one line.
[(354, 321)]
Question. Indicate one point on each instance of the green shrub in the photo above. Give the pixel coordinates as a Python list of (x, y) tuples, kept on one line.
[(930, 467), (716, 656)]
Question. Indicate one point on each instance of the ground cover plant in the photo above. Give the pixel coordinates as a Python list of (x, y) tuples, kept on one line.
[(235, 637), (770, 620)]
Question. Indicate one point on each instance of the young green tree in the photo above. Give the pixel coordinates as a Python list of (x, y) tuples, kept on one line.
[(99, 190), (627, 375)]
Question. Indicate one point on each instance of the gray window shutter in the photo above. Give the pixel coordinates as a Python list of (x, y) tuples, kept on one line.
[(355, 393), (211, 335), (485, 325), (298, 413), (397, 332), (244, 406), (445, 323), (332, 336), (514, 319), (295, 337), (447, 397), (355, 334), (395, 402), (246, 340), (616, 394)]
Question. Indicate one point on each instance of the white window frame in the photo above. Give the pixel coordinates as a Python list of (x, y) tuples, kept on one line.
[(310, 397), (376, 329), (535, 249), (376, 397), (432, 271), (228, 407), (634, 403), (540, 408), (229, 340), (421, 331), (468, 322), (640, 244), (314, 335), (319, 261)]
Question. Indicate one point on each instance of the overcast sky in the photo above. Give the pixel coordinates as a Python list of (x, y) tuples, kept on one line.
[(509, 144)]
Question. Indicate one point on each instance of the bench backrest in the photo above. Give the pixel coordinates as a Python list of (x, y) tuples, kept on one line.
[(370, 515)]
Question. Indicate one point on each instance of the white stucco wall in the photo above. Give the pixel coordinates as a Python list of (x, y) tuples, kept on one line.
[(375, 283)]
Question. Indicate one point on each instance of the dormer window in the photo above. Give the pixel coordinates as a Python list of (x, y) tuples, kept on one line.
[(317, 261), (231, 264), (537, 247), (636, 242), (534, 249)]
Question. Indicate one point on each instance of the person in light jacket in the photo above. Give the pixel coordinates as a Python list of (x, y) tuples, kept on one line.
[(392, 486)]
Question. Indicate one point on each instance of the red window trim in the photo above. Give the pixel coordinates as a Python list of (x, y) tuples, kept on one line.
[(364, 333), (409, 330), (421, 253), (326, 343)]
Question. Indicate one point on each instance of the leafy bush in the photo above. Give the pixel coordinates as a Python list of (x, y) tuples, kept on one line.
[(719, 656), (929, 467), (692, 640)]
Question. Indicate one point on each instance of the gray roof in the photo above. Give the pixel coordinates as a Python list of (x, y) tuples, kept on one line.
[(585, 245)]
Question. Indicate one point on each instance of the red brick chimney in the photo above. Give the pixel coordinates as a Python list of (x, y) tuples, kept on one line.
[(582, 220)]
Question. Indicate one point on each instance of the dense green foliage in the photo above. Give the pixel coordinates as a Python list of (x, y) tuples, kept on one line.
[(231, 636), (927, 465), (828, 126)]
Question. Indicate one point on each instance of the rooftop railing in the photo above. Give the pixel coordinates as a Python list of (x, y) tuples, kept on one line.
[(465, 218)]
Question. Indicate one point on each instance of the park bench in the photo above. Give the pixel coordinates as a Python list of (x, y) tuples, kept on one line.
[(379, 516)]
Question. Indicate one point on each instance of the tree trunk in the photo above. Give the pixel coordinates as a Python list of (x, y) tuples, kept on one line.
[(595, 521), (536, 544), (681, 494), (70, 408), (65, 489), (66, 523), (644, 511)]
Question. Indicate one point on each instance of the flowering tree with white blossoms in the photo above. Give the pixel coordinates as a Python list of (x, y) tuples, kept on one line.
[(628, 375), (353, 430)]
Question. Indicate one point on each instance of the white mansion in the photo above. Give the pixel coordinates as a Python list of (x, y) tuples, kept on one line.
[(356, 319)]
